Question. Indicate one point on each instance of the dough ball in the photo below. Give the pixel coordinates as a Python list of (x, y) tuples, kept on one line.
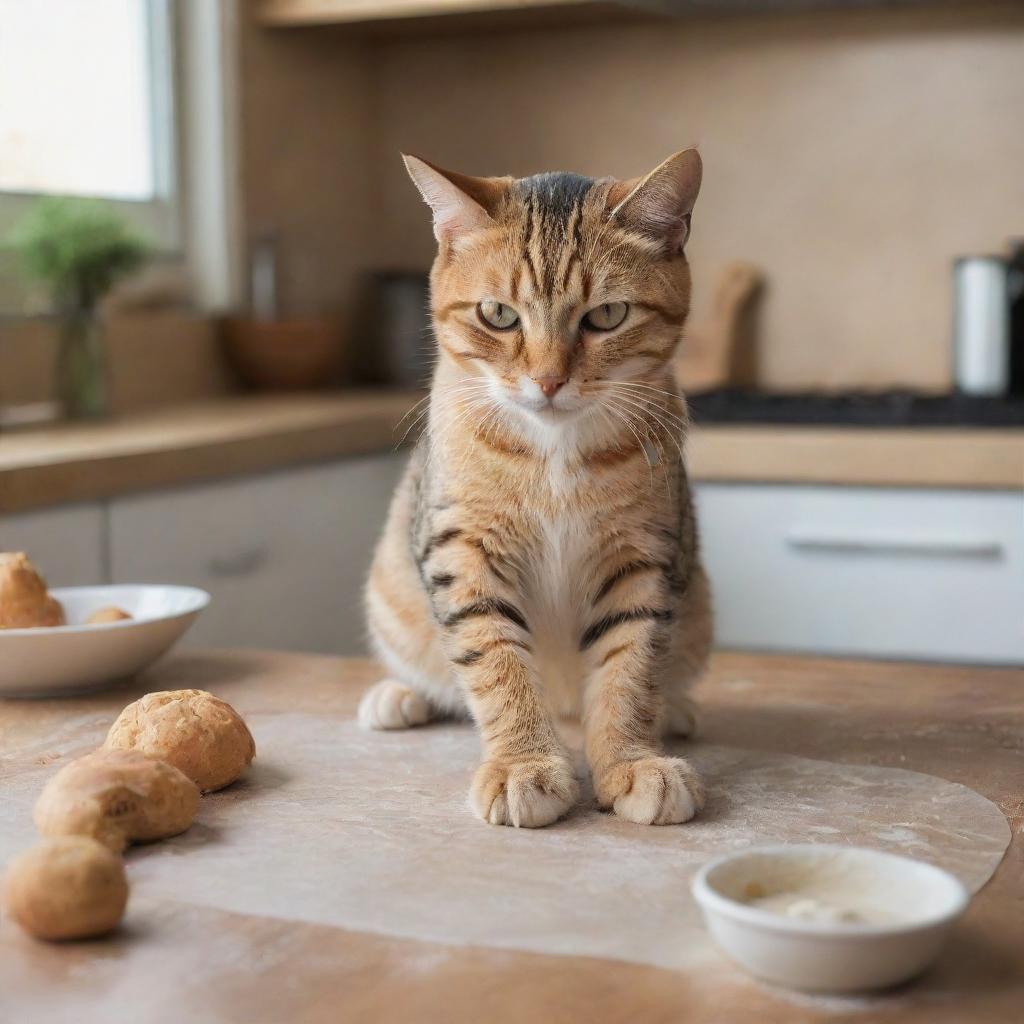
[(191, 729), (67, 888), (111, 613), (117, 797), (25, 602)]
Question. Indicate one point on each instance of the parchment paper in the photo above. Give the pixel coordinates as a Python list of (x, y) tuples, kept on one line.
[(371, 831)]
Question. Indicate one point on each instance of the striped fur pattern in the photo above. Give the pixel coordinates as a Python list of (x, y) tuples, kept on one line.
[(540, 560)]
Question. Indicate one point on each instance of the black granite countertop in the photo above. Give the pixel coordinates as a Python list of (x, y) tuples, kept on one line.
[(855, 408)]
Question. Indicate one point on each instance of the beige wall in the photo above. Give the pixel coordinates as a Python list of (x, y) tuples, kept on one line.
[(305, 123), (851, 155), (153, 359)]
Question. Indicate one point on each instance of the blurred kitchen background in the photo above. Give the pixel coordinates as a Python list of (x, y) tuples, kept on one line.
[(202, 377)]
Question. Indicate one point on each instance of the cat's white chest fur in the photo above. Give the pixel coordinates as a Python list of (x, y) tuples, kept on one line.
[(555, 598)]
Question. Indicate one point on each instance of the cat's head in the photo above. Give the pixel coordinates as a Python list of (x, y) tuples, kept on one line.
[(555, 289)]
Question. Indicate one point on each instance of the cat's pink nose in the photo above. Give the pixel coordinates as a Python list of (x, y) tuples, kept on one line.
[(549, 385)]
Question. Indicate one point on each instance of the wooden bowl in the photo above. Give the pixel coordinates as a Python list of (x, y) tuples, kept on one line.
[(284, 355)]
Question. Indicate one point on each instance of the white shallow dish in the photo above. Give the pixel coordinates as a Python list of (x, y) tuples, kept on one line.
[(826, 956), (64, 659)]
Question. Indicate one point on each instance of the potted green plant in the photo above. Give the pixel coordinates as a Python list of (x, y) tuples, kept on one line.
[(78, 248)]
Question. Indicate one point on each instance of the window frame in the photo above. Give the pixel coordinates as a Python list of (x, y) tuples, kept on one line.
[(193, 221), (158, 218)]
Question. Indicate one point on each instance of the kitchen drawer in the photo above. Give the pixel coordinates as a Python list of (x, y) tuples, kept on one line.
[(863, 571), (68, 545), (284, 555)]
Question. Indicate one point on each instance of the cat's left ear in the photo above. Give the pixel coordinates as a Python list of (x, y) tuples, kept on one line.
[(460, 202), (661, 203)]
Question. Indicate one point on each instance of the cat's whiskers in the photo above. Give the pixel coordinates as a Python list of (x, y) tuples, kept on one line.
[(623, 416), (670, 402), (665, 420), (673, 396), (463, 398), (650, 430), (668, 421), (453, 414), (471, 405), (481, 431), (666, 429), (451, 408), (652, 397), (420, 418)]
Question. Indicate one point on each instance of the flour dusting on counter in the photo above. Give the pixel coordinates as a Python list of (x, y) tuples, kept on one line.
[(397, 852)]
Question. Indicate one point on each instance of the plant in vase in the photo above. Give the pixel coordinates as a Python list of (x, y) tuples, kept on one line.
[(78, 248)]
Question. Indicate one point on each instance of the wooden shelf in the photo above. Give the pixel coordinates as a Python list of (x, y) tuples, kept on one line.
[(294, 13)]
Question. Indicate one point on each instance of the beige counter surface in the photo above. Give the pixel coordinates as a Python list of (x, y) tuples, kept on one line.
[(204, 440), (181, 956), (238, 435), (957, 457)]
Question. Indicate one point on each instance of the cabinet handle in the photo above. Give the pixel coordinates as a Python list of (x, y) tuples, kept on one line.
[(243, 563), (907, 547)]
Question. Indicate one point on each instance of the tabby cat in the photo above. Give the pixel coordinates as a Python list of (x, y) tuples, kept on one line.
[(540, 558)]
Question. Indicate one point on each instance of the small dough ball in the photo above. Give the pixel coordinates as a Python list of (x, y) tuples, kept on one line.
[(25, 603), (191, 729), (67, 888), (111, 613), (117, 797)]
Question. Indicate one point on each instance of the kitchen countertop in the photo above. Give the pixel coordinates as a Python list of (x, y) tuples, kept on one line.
[(210, 439), (248, 434), (179, 959)]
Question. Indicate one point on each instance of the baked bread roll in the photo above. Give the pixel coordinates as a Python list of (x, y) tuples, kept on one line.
[(111, 613), (67, 888), (117, 797), (193, 730), (25, 602)]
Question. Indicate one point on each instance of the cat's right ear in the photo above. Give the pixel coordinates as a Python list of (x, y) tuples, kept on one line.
[(460, 203), (661, 203)]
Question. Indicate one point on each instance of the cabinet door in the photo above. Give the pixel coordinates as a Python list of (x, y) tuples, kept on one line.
[(284, 555), (67, 544), (935, 575)]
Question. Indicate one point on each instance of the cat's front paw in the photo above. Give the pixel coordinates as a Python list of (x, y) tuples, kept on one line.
[(391, 705), (651, 790), (527, 794)]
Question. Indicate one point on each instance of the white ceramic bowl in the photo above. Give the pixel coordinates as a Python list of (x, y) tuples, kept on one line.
[(923, 901), (64, 659)]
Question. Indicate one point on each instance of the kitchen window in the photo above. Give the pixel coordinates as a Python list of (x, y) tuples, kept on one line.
[(96, 99)]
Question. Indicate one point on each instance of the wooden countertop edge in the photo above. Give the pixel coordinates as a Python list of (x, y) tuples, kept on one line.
[(271, 434), (235, 436), (947, 457)]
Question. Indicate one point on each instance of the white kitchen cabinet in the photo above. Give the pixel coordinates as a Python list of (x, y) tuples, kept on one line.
[(862, 571), (284, 555), (67, 544), (874, 572)]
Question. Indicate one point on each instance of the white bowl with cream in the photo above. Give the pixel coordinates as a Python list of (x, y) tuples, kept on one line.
[(825, 918), (58, 660)]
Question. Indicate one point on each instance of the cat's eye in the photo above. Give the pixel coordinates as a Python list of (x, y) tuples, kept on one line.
[(605, 317), (497, 315)]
